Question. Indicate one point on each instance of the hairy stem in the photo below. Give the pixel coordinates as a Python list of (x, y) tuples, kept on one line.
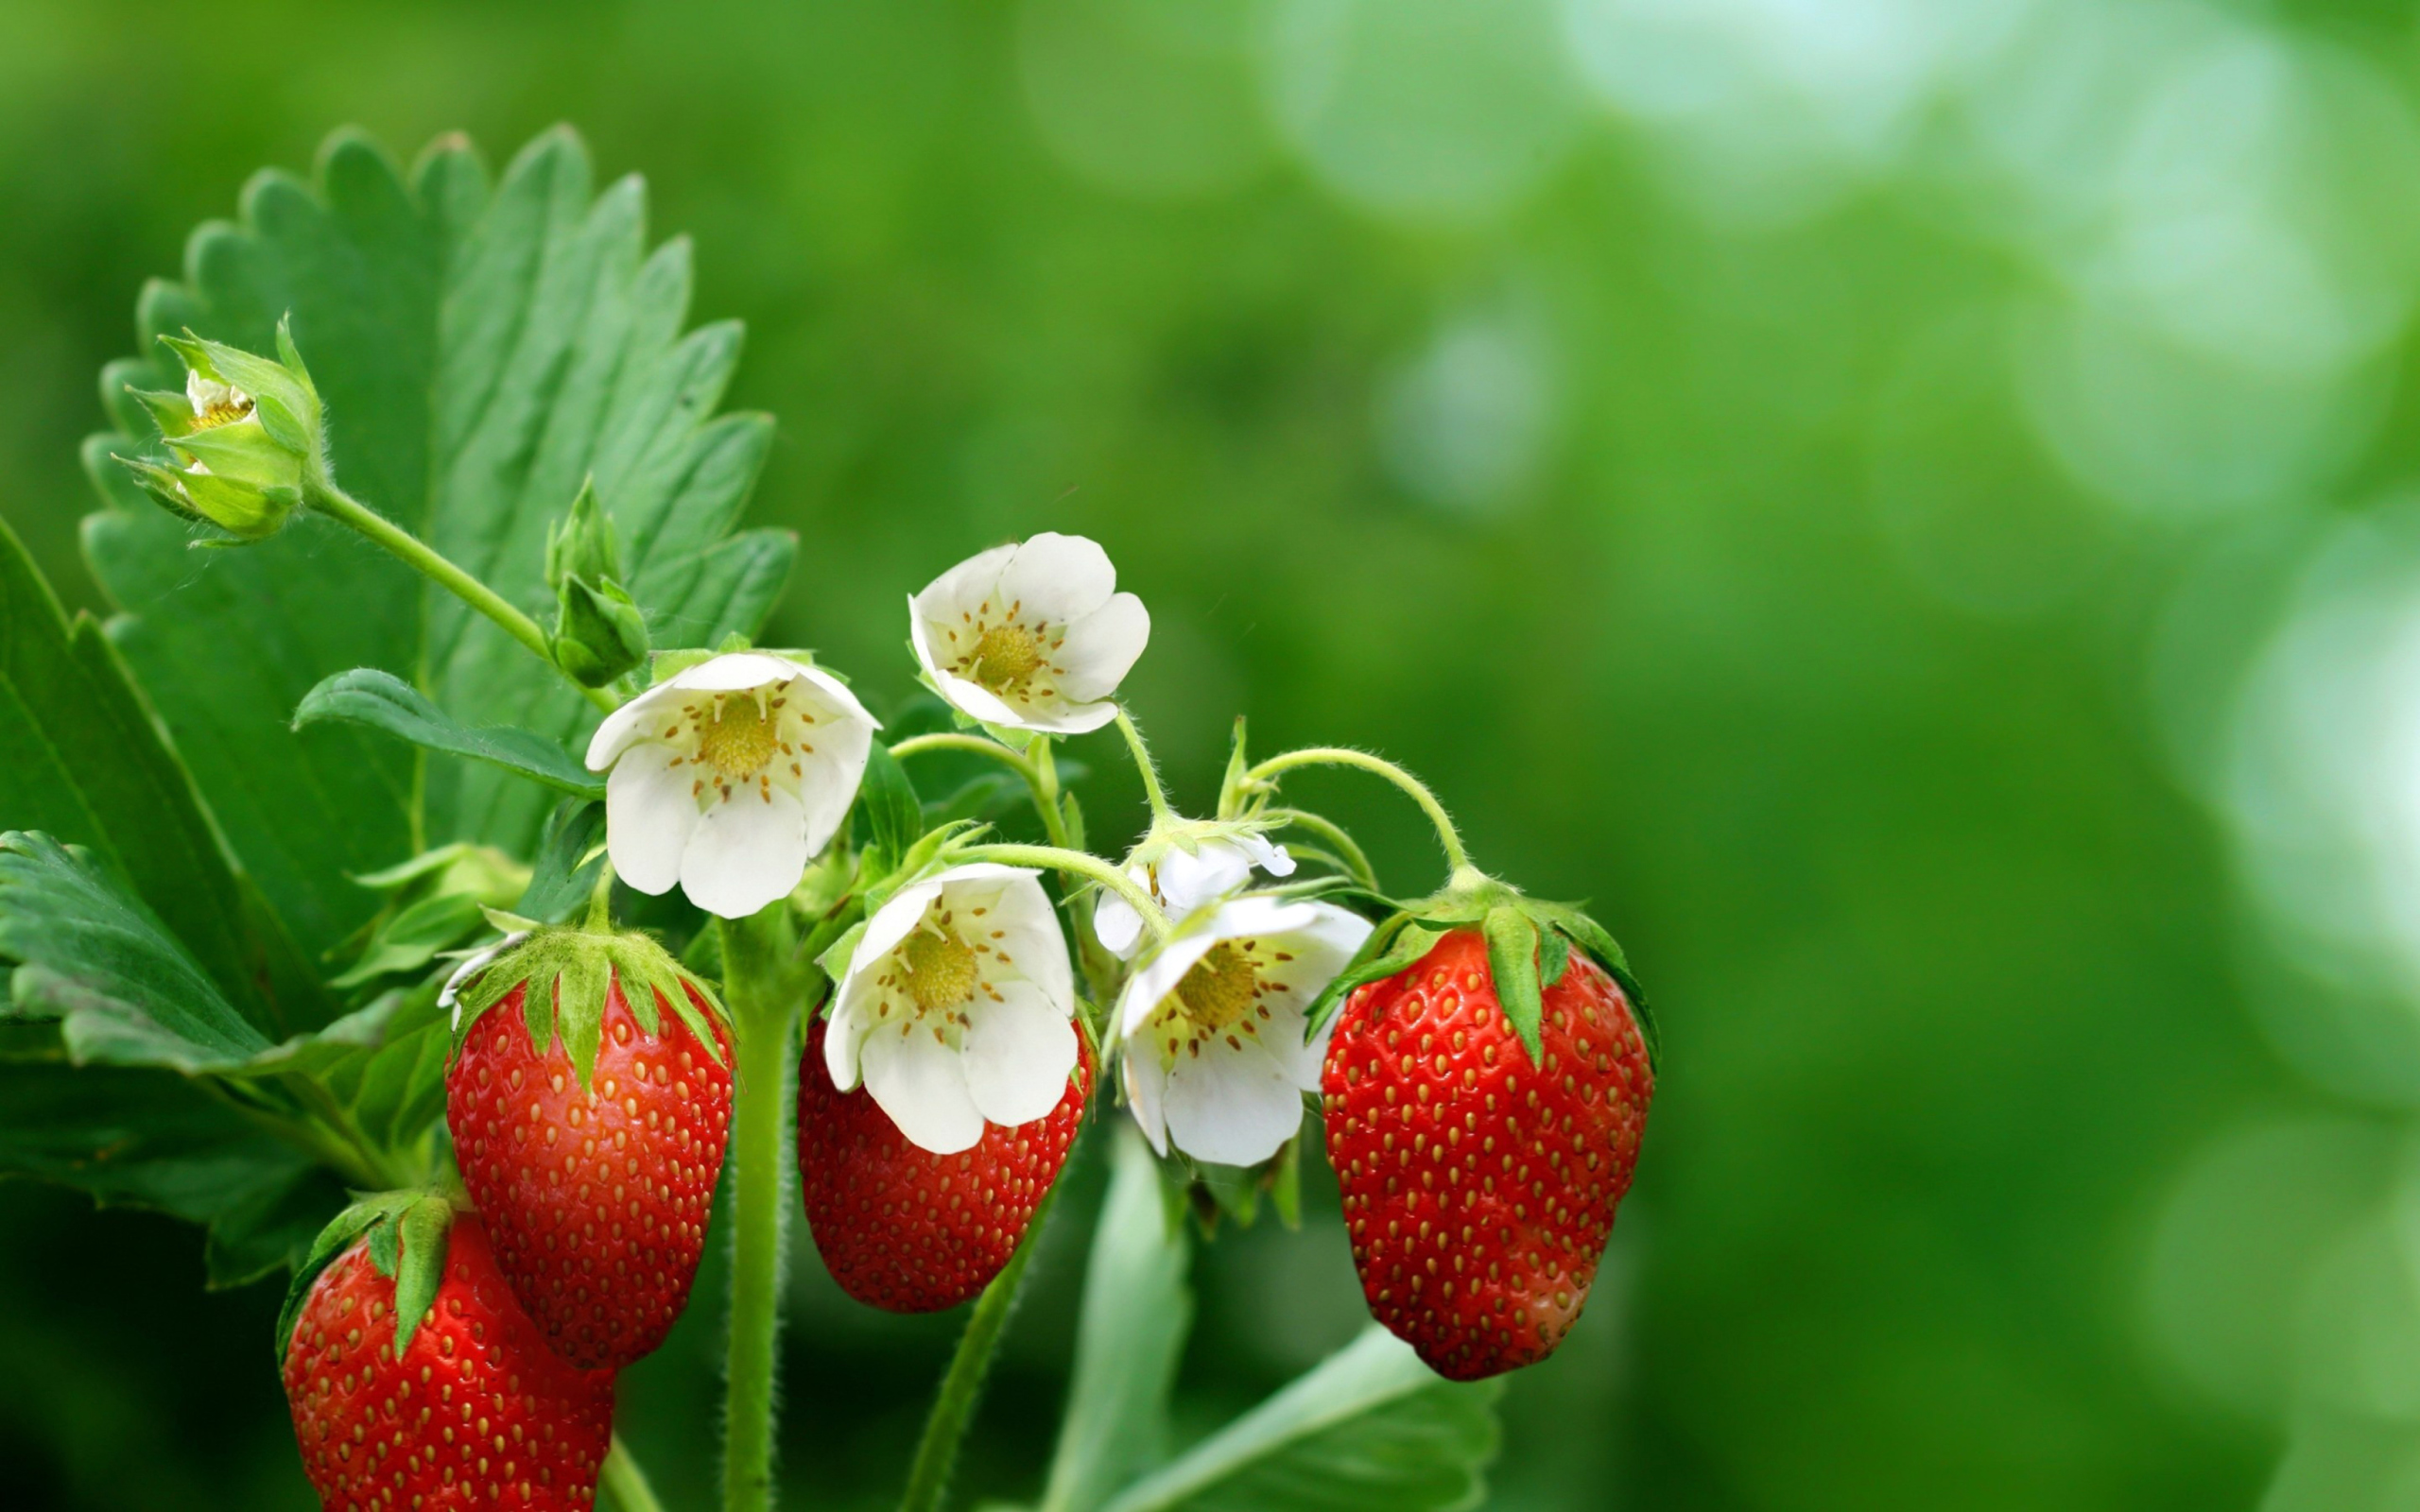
[(1143, 766), (960, 740), (1457, 859), (766, 985), (625, 1482), (1357, 861), (417, 554), (1074, 863), (962, 1388)]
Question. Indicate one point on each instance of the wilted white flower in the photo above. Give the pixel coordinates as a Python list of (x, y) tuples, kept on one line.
[(1032, 636), (729, 777), (1211, 1028), (957, 1008), (1181, 880)]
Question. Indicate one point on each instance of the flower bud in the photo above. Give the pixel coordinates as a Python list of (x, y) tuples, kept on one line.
[(600, 633), (246, 432)]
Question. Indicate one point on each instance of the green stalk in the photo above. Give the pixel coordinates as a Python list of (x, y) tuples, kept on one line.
[(625, 1482), (417, 554), (1076, 863), (1457, 859), (1142, 754), (962, 1388), (765, 986)]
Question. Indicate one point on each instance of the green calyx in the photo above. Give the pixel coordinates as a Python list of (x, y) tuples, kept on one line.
[(600, 632), (406, 1233), (246, 436), (1529, 948), (567, 970)]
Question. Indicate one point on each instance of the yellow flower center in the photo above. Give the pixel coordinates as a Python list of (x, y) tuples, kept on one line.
[(940, 969), (740, 739), (1219, 990), (1005, 658)]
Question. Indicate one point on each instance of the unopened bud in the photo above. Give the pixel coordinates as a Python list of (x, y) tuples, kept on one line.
[(600, 633), (245, 434)]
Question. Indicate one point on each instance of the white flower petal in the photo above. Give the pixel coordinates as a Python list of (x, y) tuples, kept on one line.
[(964, 588), (1213, 870), (1103, 647), (1057, 579), (1320, 945), (843, 739), (1268, 856), (745, 851), (648, 817), (1231, 1107), (737, 670), (1116, 923), (625, 725), (922, 1084), (892, 922), (1037, 951), (1018, 1054), (975, 701), (1146, 1084), (1067, 718)]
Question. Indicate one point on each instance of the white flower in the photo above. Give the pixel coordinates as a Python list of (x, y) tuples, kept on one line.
[(729, 778), (1030, 636), (1181, 880), (1211, 1027), (214, 403), (957, 1008), (449, 995)]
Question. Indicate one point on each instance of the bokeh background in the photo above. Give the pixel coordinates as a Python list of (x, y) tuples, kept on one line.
[(1907, 504)]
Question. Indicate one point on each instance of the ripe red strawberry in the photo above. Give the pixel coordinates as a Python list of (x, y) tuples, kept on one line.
[(596, 1180), (479, 1412), (1480, 1185), (901, 1227)]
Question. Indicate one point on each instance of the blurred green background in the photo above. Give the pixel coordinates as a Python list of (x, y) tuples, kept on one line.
[(1904, 502)]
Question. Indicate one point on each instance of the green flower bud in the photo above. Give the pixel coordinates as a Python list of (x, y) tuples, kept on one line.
[(600, 634), (583, 544), (246, 432)]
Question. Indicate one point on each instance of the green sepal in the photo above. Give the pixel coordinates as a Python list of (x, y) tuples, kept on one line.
[(600, 634), (1554, 957), (1513, 961), (583, 543), (367, 1215), (421, 1264), (269, 382), (566, 972), (1590, 935), (835, 960), (1398, 943)]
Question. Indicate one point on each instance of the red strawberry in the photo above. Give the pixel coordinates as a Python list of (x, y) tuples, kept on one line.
[(596, 1185), (901, 1227), (1478, 1188), (479, 1412)]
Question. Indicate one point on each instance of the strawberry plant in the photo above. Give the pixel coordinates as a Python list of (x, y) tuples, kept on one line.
[(425, 885)]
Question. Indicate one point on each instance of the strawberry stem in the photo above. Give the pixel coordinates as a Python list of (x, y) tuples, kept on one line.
[(962, 1388), (628, 1483), (1448, 838), (1074, 863), (1143, 765), (765, 986)]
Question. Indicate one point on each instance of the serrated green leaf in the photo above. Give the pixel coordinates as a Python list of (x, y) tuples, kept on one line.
[(480, 352), (81, 759), (1137, 1312), (1513, 963), (1368, 1430), (411, 938), (381, 700), (99, 961)]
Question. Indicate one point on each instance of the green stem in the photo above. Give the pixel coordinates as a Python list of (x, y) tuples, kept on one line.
[(958, 740), (765, 988), (1143, 765), (339, 1141), (626, 1482), (962, 1388), (417, 554), (1074, 863), (1457, 859), (1357, 861)]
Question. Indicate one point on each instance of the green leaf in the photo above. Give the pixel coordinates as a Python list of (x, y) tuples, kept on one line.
[(81, 759), (1513, 962), (1368, 1430), (480, 351), (125, 991), (269, 1229), (893, 812), (564, 873), (381, 700), (1137, 1311), (411, 938), (144, 1137)]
